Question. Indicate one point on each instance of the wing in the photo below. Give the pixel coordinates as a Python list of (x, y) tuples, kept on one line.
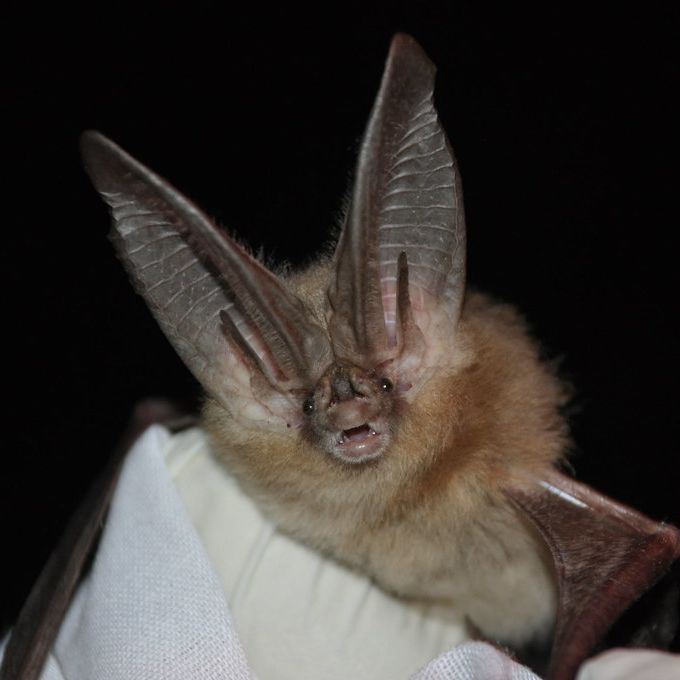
[(246, 338), (400, 261), (605, 554)]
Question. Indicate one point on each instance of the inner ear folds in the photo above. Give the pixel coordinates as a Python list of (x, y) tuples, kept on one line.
[(406, 199), (193, 276)]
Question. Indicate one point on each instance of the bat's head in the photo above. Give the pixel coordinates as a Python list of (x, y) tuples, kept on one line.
[(334, 368)]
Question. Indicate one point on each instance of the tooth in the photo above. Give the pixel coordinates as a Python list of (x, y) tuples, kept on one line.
[(373, 432)]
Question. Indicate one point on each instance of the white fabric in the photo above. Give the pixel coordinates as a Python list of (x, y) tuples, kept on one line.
[(155, 604), (474, 661), (632, 664), (281, 593), (152, 607)]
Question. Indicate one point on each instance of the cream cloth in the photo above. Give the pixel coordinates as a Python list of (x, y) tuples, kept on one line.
[(197, 585)]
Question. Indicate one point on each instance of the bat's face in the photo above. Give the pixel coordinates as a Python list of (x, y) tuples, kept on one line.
[(332, 368), (350, 413)]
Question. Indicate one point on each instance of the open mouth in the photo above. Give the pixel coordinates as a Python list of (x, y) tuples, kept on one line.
[(357, 434), (358, 444)]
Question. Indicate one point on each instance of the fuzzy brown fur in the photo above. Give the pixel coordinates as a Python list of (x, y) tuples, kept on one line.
[(428, 519)]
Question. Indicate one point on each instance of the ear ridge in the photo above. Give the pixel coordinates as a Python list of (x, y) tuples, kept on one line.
[(190, 274), (407, 198)]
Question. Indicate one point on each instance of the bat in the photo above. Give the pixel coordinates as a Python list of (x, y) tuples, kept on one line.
[(370, 406), (377, 410)]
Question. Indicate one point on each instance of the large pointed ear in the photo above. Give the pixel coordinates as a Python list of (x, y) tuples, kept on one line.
[(605, 555), (400, 261), (246, 338)]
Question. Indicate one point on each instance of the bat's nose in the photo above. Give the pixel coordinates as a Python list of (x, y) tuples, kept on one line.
[(342, 387), (344, 383)]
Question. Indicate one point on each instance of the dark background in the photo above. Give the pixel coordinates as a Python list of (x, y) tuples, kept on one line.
[(561, 120)]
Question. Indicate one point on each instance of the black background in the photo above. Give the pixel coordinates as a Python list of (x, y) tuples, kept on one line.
[(561, 120)]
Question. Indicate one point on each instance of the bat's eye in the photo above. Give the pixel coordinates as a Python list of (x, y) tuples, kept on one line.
[(386, 385), (308, 405)]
